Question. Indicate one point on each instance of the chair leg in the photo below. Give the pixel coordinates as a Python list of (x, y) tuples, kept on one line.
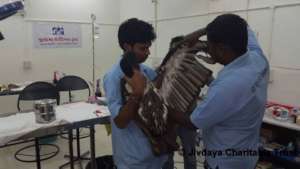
[(76, 159), (19, 155), (81, 136), (82, 156), (79, 156)]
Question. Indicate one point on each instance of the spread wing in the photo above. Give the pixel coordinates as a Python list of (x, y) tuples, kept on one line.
[(177, 86)]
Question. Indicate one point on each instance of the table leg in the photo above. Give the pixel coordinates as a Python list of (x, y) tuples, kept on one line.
[(78, 147), (71, 148), (37, 153), (92, 142)]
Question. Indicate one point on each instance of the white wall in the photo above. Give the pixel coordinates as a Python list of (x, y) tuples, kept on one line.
[(18, 45), (142, 9), (107, 11), (277, 28)]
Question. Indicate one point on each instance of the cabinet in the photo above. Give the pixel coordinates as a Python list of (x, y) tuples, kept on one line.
[(280, 142)]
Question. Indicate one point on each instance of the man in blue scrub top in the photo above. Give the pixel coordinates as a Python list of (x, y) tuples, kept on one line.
[(232, 111), (131, 148)]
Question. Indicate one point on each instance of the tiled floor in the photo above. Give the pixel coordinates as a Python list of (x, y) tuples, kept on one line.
[(179, 162), (103, 147)]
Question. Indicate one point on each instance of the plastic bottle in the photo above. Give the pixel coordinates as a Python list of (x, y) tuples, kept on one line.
[(55, 79), (98, 91)]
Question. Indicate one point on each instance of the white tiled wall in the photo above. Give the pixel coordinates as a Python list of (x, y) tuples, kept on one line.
[(274, 21)]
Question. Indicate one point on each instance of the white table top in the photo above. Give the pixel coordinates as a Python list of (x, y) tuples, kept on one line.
[(17, 125)]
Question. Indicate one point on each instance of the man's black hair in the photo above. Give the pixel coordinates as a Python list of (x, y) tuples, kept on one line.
[(128, 63), (135, 31), (229, 30)]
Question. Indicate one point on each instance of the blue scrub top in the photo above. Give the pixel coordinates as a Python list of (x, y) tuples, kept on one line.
[(232, 112)]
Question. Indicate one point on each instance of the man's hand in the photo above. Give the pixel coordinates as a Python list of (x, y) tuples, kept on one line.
[(128, 112), (193, 38), (137, 83)]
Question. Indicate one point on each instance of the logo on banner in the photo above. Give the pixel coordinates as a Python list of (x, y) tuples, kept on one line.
[(58, 30)]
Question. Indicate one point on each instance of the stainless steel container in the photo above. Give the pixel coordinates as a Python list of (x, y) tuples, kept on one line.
[(45, 110)]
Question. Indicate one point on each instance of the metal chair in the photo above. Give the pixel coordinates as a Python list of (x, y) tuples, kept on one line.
[(37, 91), (72, 83)]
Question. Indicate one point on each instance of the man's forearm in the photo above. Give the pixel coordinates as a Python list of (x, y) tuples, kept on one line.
[(127, 112), (193, 37), (252, 41)]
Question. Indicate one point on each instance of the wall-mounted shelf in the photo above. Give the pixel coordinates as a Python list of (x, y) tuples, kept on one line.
[(285, 124)]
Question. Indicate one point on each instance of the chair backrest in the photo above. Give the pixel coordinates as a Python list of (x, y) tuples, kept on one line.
[(71, 82), (38, 91)]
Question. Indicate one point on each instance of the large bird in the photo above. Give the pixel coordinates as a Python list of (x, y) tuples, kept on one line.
[(176, 88)]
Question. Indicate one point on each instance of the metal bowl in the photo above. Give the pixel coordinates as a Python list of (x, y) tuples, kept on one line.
[(45, 110)]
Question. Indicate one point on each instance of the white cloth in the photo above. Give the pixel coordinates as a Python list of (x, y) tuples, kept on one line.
[(14, 126)]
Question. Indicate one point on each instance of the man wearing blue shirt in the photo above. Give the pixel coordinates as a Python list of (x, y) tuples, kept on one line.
[(232, 111), (131, 148)]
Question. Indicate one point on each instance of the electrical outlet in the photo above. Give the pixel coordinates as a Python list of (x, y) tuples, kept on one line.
[(27, 65)]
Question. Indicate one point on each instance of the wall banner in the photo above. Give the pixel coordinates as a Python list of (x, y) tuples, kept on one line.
[(56, 35)]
